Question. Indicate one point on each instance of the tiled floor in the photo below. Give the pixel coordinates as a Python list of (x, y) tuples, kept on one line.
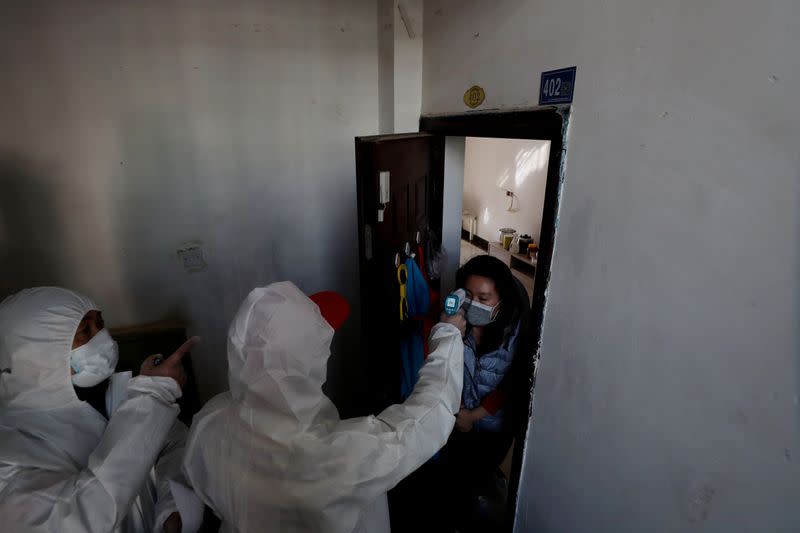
[(468, 251)]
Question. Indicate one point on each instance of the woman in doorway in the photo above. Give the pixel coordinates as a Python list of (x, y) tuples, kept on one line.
[(482, 437), (465, 468)]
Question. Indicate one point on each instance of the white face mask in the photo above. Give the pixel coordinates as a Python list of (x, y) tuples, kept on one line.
[(94, 361)]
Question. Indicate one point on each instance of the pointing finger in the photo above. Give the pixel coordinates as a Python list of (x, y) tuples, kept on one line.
[(179, 354)]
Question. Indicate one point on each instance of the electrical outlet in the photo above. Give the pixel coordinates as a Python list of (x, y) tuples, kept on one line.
[(192, 257)]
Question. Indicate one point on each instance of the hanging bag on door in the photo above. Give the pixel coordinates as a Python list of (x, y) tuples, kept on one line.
[(412, 346)]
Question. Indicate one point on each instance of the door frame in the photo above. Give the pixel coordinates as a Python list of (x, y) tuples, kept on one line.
[(542, 123)]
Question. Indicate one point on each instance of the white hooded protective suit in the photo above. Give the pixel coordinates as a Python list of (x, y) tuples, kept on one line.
[(63, 466), (272, 454)]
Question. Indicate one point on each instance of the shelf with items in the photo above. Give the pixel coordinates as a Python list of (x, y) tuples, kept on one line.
[(519, 262)]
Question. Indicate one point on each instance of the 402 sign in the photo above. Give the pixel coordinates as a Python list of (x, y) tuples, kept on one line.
[(557, 86)]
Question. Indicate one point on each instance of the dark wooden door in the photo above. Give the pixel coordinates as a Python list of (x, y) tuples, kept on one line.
[(415, 163)]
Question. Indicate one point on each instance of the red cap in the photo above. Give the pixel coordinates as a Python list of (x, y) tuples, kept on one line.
[(333, 306)]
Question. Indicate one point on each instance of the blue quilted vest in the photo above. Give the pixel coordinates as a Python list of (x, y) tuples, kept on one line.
[(483, 374)]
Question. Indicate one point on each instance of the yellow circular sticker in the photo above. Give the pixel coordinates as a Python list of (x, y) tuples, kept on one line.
[(474, 96)]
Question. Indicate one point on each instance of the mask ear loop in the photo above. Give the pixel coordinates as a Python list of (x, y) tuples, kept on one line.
[(71, 371), (496, 311)]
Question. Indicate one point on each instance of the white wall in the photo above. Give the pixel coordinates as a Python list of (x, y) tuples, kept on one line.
[(408, 66), (452, 204), (493, 166), (667, 398), (386, 38), (399, 65), (129, 128)]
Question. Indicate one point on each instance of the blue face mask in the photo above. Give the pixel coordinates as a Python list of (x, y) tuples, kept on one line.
[(479, 314)]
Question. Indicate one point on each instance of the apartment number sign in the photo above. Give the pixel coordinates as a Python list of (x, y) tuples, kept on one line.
[(557, 86)]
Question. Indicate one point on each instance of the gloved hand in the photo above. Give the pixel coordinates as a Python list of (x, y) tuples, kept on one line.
[(458, 320), (171, 367)]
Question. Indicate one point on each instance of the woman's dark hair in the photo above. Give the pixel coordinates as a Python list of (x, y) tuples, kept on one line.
[(496, 333)]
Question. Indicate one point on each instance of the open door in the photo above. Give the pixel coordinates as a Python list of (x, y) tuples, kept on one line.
[(400, 182)]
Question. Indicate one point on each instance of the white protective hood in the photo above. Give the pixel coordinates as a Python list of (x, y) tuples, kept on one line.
[(36, 331), (63, 466), (273, 455), (278, 348)]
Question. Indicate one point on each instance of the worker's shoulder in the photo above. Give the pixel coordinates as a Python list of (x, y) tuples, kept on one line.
[(21, 450), (220, 405)]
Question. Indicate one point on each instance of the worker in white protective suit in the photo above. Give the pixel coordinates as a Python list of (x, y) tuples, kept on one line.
[(272, 454), (74, 466)]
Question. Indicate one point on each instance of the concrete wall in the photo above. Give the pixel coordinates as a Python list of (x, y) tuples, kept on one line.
[(129, 128), (386, 38), (399, 65), (408, 65), (452, 205), (493, 166), (667, 398)]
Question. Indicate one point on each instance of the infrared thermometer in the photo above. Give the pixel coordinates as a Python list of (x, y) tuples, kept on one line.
[(454, 301)]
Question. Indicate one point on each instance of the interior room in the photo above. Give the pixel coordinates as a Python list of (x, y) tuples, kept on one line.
[(161, 160), (504, 188)]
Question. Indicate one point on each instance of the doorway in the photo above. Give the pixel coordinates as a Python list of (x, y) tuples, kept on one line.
[(503, 199), (443, 174)]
